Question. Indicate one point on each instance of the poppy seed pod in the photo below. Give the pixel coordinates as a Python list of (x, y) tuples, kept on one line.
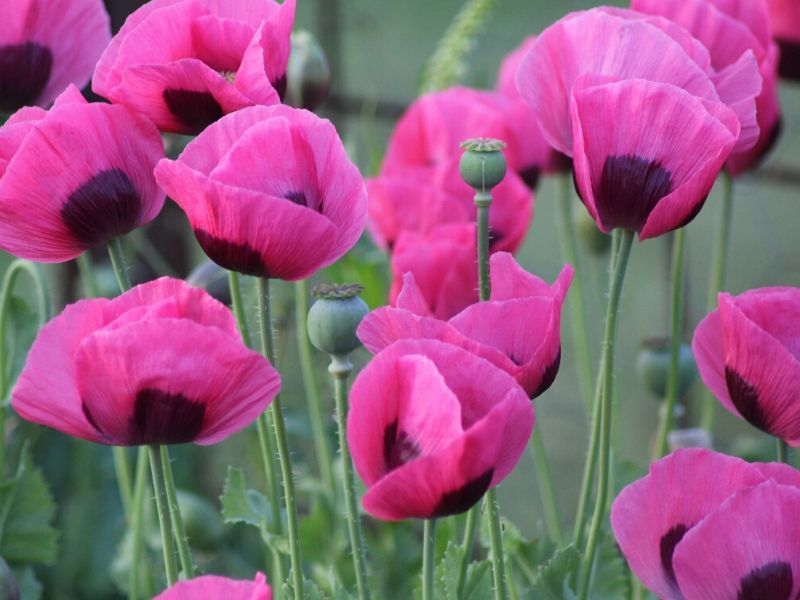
[(653, 366), (483, 165), (334, 318)]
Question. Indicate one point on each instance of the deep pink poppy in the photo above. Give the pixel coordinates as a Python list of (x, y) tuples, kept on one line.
[(46, 45), (431, 427), (186, 63), (214, 587), (161, 364), (784, 16), (518, 329), (748, 353), (269, 192), (75, 176), (694, 500)]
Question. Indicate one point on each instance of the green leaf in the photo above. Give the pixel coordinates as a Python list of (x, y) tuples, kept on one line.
[(241, 504), (610, 579), (550, 582), (311, 591)]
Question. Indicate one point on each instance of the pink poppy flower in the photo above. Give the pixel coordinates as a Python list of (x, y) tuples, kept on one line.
[(692, 500), (161, 364), (431, 427), (46, 45), (186, 63), (748, 353), (75, 176), (784, 16), (214, 587), (518, 329), (269, 192)]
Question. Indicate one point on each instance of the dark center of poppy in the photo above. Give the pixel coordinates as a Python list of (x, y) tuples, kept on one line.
[(194, 110), (745, 398), (789, 66), (398, 447), (463, 498), (667, 548), (106, 206), (24, 72), (629, 189), (242, 258), (164, 418), (530, 175), (773, 581)]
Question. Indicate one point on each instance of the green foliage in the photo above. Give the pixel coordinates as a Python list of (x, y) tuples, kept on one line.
[(610, 579), (550, 582), (478, 583), (23, 324)]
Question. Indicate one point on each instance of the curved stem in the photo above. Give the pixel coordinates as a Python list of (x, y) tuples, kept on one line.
[(428, 550), (676, 325), (137, 516), (164, 520), (178, 529), (607, 368), (547, 493), (782, 451), (470, 528)]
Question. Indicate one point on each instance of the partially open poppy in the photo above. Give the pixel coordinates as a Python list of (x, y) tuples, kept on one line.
[(214, 587)]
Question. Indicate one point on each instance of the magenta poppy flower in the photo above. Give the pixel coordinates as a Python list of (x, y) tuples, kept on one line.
[(748, 353), (269, 192), (694, 500), (214, 587), (161, 364), (75, 176), (518, 329), (46, 45), (432, 427), (784, 16), (186, 63)]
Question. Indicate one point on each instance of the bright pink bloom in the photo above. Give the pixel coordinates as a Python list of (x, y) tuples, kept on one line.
[(270, 192), (74, 177), (214, 587), (748, 353), (784, 16), (694, 499), (186, 63), (518, 329), (432, 427), (161, 364), (443, 263), (46, 45)]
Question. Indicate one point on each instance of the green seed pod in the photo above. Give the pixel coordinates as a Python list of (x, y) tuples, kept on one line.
[(9, 588), (334, 317), (308, 75), (483, 164), (596, 241), (653, 366)]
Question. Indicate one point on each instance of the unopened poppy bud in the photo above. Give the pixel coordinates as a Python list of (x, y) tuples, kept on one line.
[(653, 366), (308, 76), (483, 164), (334, 317)]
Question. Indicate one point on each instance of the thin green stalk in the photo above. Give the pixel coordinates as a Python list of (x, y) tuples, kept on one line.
[(547, 493), (483, 201), (569, 253), (782, 451), (137, 517), (178, 529), (607, 368), (470, 529), (428, 550), (321, 447), (86, 269), (283, 447), (496, 535), (118, 264), (235, 285), (164, 521), (717, 279)]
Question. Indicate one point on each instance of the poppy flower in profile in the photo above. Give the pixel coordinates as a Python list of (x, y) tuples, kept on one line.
[(432, 427), (518, 329), (161, 364), (784, 16), (186, 63), (214, 587), (46, 45), (75, 176), (269, 192), (748, 354)]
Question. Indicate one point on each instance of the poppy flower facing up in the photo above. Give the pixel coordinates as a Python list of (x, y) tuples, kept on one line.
[(214, 587), (748, 353), (432, 427), (46, 45), (518, 329), (784, 17), (75, 176), (161, 364), (704, 525), (269, 192), (186, 63)]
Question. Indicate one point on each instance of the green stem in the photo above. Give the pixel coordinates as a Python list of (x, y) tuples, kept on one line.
[(321, 447), (483, 201), (470, 529), (283, 448), (428, 550), (86, 269), (569, 253), (676, 325), (341, 368), (717, 279), (178, 529), (607, 368), (496, 535), (235, 285), (118, 264), (164, 521), (782, 451), (137, 516), (547, 493)]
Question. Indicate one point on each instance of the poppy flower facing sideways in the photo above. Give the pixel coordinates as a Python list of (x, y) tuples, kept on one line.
[(704, 525), (161, 364), (75, 176), (46, 45), (432, 427), (518, 329), (748, 354), (186, 63), (269, 192), (214, 587)]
